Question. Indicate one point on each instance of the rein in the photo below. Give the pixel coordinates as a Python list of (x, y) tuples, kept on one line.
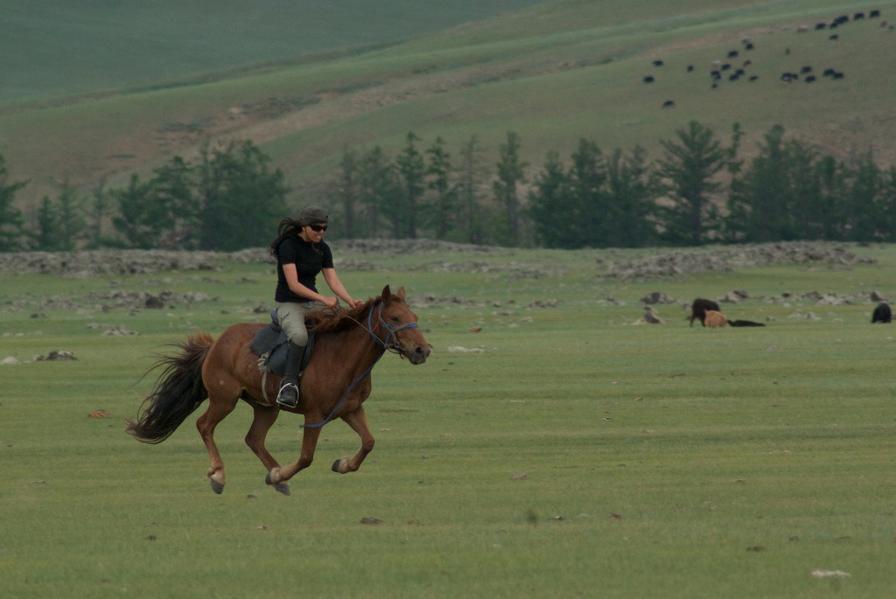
[(388, 345)]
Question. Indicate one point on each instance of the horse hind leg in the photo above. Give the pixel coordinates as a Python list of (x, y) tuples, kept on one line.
[(222, 399)]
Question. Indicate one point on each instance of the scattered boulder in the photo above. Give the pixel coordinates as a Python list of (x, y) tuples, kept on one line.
[(9, 361), (876, 296), (657, 297), (56, 355)]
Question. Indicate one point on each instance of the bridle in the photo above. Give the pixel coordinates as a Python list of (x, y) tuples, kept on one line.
[(390, 343)]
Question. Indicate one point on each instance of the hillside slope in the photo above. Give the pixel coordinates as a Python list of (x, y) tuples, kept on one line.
[(50, 48), (554, 73)]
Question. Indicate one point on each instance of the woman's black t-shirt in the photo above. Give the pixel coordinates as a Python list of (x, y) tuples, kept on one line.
[(309, 258)]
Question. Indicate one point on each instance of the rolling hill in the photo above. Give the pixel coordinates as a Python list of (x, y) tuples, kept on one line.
[(553, 72)]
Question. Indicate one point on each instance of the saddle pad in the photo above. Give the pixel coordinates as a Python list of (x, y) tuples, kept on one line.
[(270, 344)]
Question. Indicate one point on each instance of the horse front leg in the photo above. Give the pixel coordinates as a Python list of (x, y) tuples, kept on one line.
[(264, 419), (358, 421), (309, 444)]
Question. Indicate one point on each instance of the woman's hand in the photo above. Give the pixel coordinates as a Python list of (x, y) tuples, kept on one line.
[(355, 304), (329, 301)]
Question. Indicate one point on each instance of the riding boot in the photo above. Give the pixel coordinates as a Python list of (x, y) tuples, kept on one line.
[(288, 397)]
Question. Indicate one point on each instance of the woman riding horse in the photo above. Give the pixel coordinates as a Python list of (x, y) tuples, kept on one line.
[(301, 254)]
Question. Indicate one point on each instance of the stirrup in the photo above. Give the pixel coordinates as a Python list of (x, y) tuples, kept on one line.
[(293, 400)]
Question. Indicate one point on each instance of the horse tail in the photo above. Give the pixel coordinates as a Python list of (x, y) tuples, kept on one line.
[(178, 391)]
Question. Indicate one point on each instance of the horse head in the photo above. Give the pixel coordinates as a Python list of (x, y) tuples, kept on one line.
[(400, 323)]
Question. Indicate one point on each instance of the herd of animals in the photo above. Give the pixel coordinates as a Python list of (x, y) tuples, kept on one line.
[(733, 69), (710, 315)]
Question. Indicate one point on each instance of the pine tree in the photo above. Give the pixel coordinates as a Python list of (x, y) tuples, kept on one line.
[(172, 205), (46, 234), (411, 170), (804, 190), (587, 221), (630, 200), (763, 195), (551, 205), (471, 174), (888, 205), (444, 206), (347, 191), (133, 222), (510, 175), (863, 210), (69, 211), (241, 197), (12, 222), (378, 188), (687, 174)]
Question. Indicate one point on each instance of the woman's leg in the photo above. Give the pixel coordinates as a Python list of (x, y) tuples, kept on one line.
[(291, 317)]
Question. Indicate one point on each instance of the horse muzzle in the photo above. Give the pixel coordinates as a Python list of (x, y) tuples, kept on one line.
[(419, 354)]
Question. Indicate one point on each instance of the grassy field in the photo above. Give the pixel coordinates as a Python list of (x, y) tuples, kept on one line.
[(573, 454), (53, 48), (554, 72)]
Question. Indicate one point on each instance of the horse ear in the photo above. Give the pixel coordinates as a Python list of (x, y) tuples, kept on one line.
[(387, 293), (400, 293)]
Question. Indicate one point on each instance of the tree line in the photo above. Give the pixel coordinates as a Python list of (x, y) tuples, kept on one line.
[(698, 190)]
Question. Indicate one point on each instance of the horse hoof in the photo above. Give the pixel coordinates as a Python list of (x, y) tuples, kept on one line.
[(335, 467), (283, 488), (269, 480), (217, 487)]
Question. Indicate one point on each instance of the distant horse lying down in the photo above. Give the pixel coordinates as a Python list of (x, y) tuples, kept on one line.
[(882, 314), (715, 319), (335, 384), (699, 308)]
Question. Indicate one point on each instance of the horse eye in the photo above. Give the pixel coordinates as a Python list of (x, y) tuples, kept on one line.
[(395, 319)]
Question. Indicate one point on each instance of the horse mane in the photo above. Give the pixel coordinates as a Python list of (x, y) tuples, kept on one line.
[(334, 320)]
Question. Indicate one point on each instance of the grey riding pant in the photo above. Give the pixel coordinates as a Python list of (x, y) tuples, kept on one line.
[(291, 318)]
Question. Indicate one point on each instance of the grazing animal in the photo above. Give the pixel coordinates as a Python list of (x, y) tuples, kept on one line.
[(335, 383), (858, 15), (657, 63), (698, 309), (882, 314), (810, 79), (669, 104), (820, 26), (733, 53), (754, 77), (834, 37), (748, 46), (806, 69), (648, 79), (874, 14), (690, 68), (744, 323), (714, 319)]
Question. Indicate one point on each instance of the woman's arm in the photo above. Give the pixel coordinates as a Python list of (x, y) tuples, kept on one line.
[(338, 288), (292, 280)]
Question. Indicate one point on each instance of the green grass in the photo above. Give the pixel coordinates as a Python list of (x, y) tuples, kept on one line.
[(659, 461), (53, 48), (553, 72)]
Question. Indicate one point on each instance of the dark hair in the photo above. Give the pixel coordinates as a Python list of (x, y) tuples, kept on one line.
[(286, 228)]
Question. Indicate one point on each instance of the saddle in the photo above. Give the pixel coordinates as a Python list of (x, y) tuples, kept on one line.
[(270, 345)]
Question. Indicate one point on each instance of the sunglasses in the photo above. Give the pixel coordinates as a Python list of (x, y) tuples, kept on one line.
[(317, 228)]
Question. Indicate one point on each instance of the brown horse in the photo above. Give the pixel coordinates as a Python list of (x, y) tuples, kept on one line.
[(335, 383)]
